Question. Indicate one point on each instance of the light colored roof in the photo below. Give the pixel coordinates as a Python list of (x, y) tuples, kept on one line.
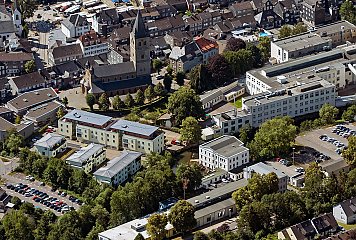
[(226, 146), (49, 140), (134, 127), (87, 117), (263, 169), (5, 125), (117, 164), (84, 153), (42, 109), (301, 41), (214, 208)]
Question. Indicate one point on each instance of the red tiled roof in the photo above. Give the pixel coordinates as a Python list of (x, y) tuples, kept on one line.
[(205, 45)]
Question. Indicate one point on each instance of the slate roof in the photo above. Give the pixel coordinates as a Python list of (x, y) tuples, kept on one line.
[(134, 127), (83, 154), (29, 80), (49, 140), (108, 15), (114, 69), (5, 125), (67, 50), (225, 145), (349, 207), (7, 27), (75, 20), (15, 56), (115, 165), (123, 84), (87, 117)]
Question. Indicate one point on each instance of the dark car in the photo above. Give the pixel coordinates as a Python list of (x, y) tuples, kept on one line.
[(37, 199), (12, 187), (59, 192), (9, 186), (52, 206), (53, 189)]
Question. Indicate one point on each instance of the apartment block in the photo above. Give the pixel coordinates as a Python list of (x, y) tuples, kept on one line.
[(94, 128), (87, 158), (51, 145)]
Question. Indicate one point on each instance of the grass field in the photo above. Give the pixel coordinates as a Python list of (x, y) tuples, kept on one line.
[(347, 226), (238, 103)]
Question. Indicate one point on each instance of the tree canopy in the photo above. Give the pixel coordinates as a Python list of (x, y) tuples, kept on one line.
[(190, 131), (349, 154), (235, 44), (220, 69), (328, 113), (90, 99), (104, 102), (156, 226), (181, 216)]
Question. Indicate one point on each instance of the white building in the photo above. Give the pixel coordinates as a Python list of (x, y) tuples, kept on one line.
[(92, 44), (119, 169), (94, 128), (75, 26), (226, 152), (51, 145), (345, 212), (87, 158), (263, 169)]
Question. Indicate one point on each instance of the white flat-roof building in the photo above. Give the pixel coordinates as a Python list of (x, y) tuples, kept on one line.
[(225, 152), (116, 134), (51, 145), (119, 169), (87, 158), (263, 169)]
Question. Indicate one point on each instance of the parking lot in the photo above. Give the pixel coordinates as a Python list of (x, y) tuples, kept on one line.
[(328, 146)]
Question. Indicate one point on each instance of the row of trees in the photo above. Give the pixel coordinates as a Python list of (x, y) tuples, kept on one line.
[(287, 30), (348, 11), (327, 115), (140, 97), (238, 58)]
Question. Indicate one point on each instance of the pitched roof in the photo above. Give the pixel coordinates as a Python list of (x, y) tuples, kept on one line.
[(87, 117), (15, 56), (115, 165), (5, 125), (139, 28), (349, 207), (66, 50), (114, 69), (325, 223), (225, 145), (108, 15), (242, 6), (91, 38), (49, 140), (84, 153), (206, 45), (42, 109), (75, 20), (29, 80), (7, 27), (134, 127)]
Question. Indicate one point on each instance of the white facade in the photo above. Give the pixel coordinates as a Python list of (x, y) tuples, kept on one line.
[(74, 31), (95, 49), (17, 19), (345, 212), (226, 152)]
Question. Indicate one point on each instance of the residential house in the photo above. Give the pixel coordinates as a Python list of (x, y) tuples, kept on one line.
[(13, 63), (88, 158), (242, 9), (64, 53), (321, 226), (75, 26), (119, 169), (166, 25), (178, 38), (198, 23), (27, 82), (316, 12), (25, 129), (5, 89), (268, 18), (225, 152), (44, 113), (6, 114), (7, 28), (51, 145), (345, 212), (28, 100), (263, 169), (92, 44), (4, 200), (105, 21)]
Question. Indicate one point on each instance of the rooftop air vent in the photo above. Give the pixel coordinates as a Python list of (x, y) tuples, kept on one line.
[(196, 201), (207, 197), (37, 93), (25, 100), (124, 126)]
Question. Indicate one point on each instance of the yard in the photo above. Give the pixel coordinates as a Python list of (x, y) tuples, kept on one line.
[(238, 103), (347, 226)]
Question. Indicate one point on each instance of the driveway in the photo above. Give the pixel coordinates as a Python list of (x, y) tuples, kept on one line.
[(75, 97)]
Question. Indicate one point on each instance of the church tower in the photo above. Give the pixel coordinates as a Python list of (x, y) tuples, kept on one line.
[(140, 47), (16, 18)]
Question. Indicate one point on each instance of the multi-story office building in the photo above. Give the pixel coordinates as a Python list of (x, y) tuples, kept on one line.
[(87, 158), (116, 134), (119, 169), (225, 152)]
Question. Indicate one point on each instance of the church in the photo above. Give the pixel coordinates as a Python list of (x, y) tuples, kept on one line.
[(125, 77), (10, 22)]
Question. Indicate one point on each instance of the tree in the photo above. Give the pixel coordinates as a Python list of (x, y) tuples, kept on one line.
[(13, 141), (349, 114), (90, 99), (285, 31), (17, 225), (190, 131), (273, 138), (169, 70), (60, 113), (139, 98), (104, 102), (299, 28), (129, 101), (265, 47), (93, 234), (183, 103), (347, 11), (30, 66), (200, 79), (328, 113), (149, 93), (167, 82), (44, 225), (254, 216), (200, 236), (139, 237), (256, 54), (220, 69), (246, 133), (65, 101), (156, 64), (27, 8), (18, 119), (349, 154), (159, 89), (156, 226), (181, 216), (240, 61), (189, 176), (117, 103), (235, 44), (180, 78)]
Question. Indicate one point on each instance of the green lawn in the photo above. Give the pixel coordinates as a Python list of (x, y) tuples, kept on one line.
[(346, 226), (238, 103)]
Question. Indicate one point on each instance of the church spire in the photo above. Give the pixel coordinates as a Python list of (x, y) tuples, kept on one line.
[(139, 29)]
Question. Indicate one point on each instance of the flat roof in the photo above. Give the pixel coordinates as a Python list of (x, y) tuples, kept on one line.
[(5, 125), (263, 169), (42, 109), (87, 117), (213, 208), (84, 153), (117, 164), (301, 41), (228, 188), (226, 146), (33, 98), (134, 127), (335, 27)]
